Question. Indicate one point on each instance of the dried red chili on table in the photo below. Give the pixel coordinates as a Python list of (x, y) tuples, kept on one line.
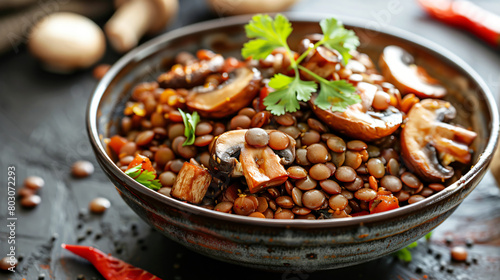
[(466, 15), (110, 268)]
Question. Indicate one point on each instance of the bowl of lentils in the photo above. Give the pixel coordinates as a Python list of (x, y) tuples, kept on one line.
[(292, 142)]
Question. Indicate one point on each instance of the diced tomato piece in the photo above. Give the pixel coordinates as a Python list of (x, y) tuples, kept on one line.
[(264, 92), (146, 163), (116, 143), (383, 203)]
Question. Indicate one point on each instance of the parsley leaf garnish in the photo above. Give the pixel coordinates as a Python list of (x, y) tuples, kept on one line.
[(334, 95), (335, 36), (144, 177), (268, 34), (289, 91), (190, 122)]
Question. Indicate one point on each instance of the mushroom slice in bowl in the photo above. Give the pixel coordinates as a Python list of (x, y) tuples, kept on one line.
[(227, 98), (323, 61), (262, 166), (359, 121), (399, 68), (425, 137), (192, 72)]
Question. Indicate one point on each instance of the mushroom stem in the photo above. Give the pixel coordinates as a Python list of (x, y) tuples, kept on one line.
[(261, 168), (135, 18), (129, 24)]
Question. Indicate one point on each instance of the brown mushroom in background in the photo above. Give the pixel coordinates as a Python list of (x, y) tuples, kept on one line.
[(359, 121), (134, 18), (262, 166), (428, 144), (192, 73), (16, 23), (65, 42), (398, 67), (227, 98)]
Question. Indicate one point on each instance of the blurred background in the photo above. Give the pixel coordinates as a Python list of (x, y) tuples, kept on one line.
[(52, 54)]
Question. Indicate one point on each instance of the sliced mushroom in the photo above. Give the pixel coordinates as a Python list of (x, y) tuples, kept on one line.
[(358, 120), (262, 167), (323, 61), (192, 74), (425, 137), (227, 98), (398, 67)]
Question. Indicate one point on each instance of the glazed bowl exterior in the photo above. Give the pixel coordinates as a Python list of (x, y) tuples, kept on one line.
[(284, 245)]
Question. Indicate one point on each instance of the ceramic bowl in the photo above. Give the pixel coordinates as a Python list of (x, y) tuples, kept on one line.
[(284, 245)]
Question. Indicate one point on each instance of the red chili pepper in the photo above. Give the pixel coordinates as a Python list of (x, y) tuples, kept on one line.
[(111, 268), (466, 15)]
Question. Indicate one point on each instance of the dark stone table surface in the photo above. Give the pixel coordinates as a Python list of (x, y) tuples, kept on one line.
[(42, 132)]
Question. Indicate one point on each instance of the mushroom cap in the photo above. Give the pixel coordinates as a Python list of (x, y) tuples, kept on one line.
[(424, 135), (398, 67), (225, 152), (65, 42), (357, 121)]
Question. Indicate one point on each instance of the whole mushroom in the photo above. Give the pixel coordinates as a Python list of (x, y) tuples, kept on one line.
[(428, 144), (135, 18), (65, 42), (399, 68), (262, 166)]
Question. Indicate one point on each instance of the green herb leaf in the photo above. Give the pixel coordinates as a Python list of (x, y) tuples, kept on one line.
[(336, 95), (405, 254), (412, 245), (289, 91), (270, 34), (428, 236), (339, 38), (144, 177), (190, 122)]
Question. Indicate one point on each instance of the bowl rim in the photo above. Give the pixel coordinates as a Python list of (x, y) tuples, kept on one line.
[(207, 26)]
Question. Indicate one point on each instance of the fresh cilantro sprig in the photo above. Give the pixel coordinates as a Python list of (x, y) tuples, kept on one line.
[(334, 95), (335, 36), (269, 34), (144, 177), (190, 122), (289, 91)]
